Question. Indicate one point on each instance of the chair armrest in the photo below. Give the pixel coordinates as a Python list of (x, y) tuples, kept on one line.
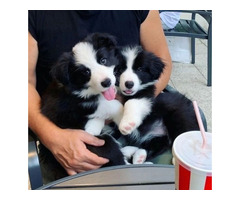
[(34, 170)]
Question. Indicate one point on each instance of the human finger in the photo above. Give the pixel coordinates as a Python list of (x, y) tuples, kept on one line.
[(92, 140), (95, 159), (71, 172), (82, 167), (86, 167)]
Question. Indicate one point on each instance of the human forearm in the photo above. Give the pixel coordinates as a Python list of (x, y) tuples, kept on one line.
[(39, 124), (36, 121), (164, 78)]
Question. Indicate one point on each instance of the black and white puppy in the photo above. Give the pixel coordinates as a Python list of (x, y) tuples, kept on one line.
[(137, 73), (82, 96), (149, 123)]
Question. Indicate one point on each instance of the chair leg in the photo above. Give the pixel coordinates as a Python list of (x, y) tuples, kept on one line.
[(209, 75), (193, 49)]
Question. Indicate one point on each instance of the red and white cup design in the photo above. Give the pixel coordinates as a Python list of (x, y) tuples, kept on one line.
[(193, 163)]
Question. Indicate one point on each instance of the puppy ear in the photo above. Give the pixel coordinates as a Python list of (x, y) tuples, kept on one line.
[(100, 40), (107, 40), (59, 71), (156, 67)]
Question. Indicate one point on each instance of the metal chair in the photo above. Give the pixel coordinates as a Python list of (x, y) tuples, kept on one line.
[(191, 28), (34, 171)]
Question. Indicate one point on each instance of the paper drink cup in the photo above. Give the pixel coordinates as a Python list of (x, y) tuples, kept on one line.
[(193, 163)]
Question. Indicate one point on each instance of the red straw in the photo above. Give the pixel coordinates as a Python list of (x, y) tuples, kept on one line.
[(200, 123)]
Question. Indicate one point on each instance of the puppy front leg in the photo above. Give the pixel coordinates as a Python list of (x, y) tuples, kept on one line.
[(135, 110), (115, 109), (94, 126)]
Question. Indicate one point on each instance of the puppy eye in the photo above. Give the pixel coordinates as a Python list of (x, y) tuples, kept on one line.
[(86, 72), (103, 61), (139, 69), (116, 73)]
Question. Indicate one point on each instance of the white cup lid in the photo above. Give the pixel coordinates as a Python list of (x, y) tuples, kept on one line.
[(187, 147)]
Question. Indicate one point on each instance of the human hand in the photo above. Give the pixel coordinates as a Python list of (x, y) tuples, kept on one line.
[(70, 151)]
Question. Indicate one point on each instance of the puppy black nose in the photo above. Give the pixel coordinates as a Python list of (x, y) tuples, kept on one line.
[(129, 84), (106, 82)]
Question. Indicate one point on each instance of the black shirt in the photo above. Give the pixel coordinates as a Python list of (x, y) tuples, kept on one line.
[(58, 31)]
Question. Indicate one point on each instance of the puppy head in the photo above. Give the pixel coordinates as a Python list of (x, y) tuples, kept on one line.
[(88, 69), (137, 69)]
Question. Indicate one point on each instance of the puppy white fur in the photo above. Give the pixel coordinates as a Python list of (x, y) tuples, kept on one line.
[(135, 111)]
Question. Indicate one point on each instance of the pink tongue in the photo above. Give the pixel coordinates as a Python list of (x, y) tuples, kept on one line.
[(109, 94)]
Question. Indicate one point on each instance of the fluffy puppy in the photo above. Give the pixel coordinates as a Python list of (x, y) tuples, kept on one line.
[(83, 89), (82, 96), (137, 73), (149, 123)]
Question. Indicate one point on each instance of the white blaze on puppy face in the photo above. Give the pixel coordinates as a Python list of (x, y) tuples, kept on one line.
[(85, 54), (128, 74)]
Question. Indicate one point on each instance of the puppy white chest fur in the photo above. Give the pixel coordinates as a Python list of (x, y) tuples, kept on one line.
[(106, 110)]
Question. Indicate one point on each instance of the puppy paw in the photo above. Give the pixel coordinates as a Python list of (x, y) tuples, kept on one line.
[(128, 151), (140, 156), (127, 127)]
